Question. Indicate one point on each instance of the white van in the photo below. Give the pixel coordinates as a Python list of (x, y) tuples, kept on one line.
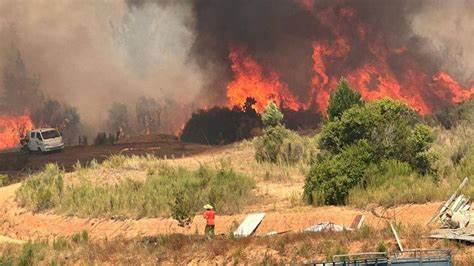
[(43, 140)]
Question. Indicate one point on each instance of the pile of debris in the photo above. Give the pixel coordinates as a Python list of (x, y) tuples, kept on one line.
[(456, 217), (252, 221)]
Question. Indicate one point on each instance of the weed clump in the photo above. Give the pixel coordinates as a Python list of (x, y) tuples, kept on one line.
[(44, 191)]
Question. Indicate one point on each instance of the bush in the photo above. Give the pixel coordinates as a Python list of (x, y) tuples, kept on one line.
[(3, 180), (392, 182), (267, 147), (332, 176), (164, 192), (278, 144), (221, 125), (43, 191), (389, 126), (361, 136), (271, 116), (31, 253), (292, 149)]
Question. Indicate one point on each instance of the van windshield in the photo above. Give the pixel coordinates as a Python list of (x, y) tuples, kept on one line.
[(50, 134)]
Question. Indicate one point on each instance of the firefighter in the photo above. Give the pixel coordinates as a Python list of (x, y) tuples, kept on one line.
[(209, 214)]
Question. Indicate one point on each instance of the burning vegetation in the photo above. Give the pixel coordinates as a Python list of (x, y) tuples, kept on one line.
[(12, 129), (349, 47), (290, 52)]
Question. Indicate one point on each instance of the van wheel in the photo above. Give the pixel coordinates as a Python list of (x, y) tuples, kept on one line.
[(39, 150)]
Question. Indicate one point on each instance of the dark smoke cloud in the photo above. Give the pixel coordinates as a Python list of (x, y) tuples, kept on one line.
[(277, 33), (92, 53), (280, 33)]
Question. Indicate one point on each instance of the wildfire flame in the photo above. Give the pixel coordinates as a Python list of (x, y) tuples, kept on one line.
[(12, 129), (252, 81), (380, 71)]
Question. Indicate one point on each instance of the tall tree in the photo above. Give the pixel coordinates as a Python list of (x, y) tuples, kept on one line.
[(118, 119), (342, 99), (20, 89), (148, 112)]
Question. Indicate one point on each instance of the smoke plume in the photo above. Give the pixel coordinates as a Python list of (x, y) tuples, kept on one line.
[(90, 53), (406, 50)]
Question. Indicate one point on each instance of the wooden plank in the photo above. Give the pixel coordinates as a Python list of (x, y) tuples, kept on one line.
[(396, 236), (250, 223), (357, 222), (446, 205)]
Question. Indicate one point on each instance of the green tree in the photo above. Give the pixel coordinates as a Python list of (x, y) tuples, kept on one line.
[(366, 135), (279, 144), (272, 116), (20, 88), (341, 99)]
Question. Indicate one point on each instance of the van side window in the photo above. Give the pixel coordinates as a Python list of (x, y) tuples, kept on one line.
[(32, 135), (38, 136)]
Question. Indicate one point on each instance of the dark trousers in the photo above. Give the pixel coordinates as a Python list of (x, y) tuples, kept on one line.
[(209, 231)]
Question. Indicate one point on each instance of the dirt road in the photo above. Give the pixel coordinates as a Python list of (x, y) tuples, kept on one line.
[(15, 163)]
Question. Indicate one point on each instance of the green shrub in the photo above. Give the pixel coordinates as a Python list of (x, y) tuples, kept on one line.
[(332, 176), (272, 116), (278, 144), (31, 253), (26, 255), (6, 258), (293, 149), (381, 247), (3, 180), (365, 135), (43, 191), (267, 147), (60, 244)]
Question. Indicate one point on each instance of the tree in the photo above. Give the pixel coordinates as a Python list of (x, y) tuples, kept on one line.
[(221, 125), (278, 144), (54, 114), (20, 89), (272, 116), (341, 99), (365, 135), (148, 113), (118, 118)]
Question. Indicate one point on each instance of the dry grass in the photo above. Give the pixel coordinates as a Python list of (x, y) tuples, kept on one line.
[(164, 191), (185, 249)]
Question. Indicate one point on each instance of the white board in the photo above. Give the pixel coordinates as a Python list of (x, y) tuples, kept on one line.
[(250, 223)]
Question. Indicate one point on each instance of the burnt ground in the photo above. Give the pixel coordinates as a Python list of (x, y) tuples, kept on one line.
[(16, 164)]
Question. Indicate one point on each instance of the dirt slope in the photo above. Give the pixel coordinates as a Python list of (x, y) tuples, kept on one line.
[(18, 223)]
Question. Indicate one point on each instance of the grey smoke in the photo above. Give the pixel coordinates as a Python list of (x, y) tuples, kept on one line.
[(91, 53), (447, 28)]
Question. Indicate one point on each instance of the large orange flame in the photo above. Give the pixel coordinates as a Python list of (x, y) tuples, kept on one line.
[(252, 81), (12, 129), (374, 73)]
